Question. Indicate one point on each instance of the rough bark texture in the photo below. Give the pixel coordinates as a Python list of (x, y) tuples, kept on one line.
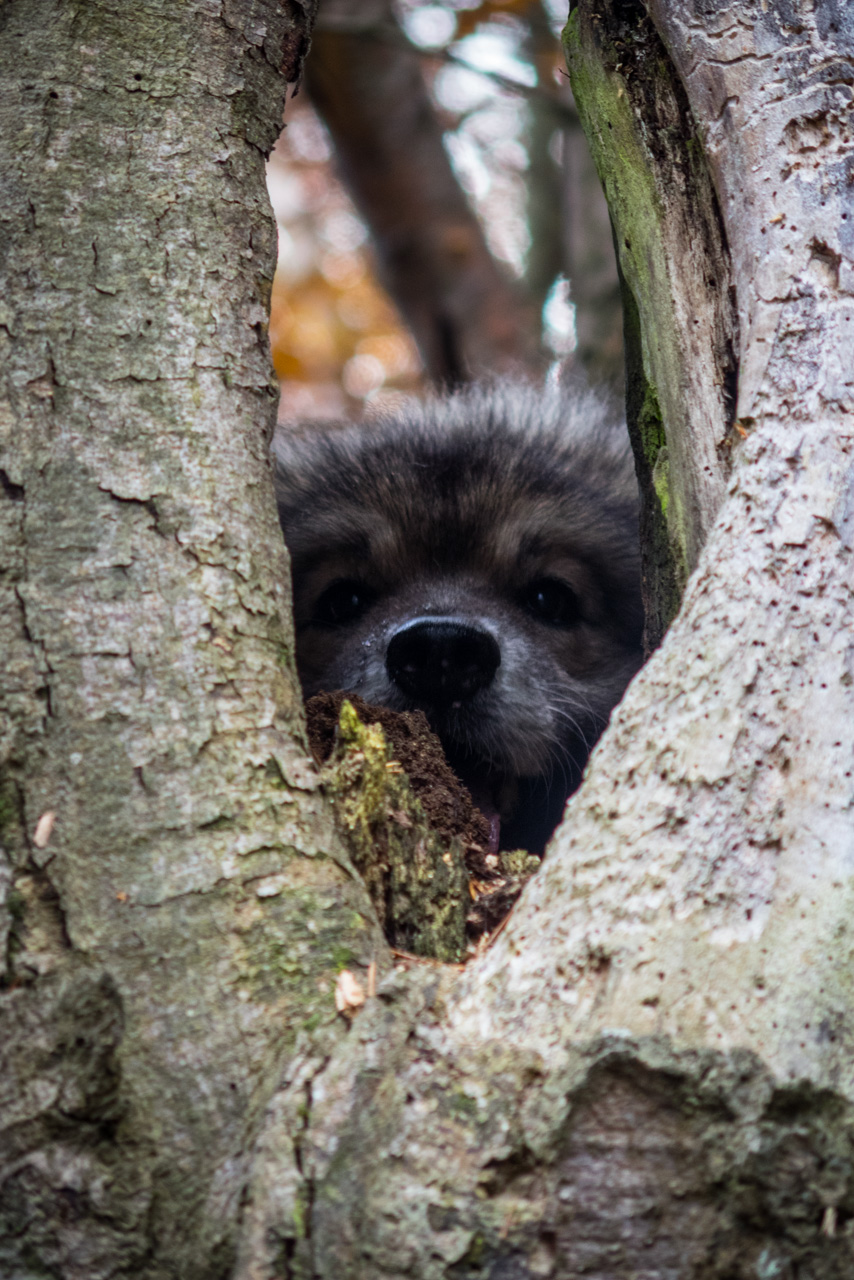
[(466, 317), (650, 1073), (155, 794)]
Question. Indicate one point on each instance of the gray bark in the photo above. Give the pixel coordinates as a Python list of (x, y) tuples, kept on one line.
[(649, 1073), (155, 975)]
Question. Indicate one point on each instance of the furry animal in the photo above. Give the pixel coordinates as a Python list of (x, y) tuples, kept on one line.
[(475, 556)]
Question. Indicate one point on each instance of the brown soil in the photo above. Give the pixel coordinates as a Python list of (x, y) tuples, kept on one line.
[(496, 879), (447, 804)]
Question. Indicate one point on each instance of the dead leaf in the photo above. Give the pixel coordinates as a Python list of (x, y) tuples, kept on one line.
[(349, 994), (43, 830)]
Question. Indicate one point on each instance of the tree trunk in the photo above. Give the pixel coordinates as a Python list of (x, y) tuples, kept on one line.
[(568, 218), (155, 795), (649, 1072)]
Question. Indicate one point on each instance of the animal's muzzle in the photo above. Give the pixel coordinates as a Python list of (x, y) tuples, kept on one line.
[(441, 661)]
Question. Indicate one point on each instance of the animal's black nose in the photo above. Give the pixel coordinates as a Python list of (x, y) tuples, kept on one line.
[(440, 661)]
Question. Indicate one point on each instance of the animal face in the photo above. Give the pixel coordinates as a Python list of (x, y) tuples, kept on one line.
[(474, 557)]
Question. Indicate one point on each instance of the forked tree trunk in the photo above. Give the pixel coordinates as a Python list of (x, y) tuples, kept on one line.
[(650, 1072)]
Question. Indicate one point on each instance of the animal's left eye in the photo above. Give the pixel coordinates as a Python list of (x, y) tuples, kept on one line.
[(553, 602)]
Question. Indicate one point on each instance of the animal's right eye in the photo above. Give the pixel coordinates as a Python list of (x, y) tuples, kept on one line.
[(342, 602)]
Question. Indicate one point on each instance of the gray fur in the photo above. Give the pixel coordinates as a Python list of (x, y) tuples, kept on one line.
[(450, 509)]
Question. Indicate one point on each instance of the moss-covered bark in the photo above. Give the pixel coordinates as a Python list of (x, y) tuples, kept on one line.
[(419, 886), (680, 327)]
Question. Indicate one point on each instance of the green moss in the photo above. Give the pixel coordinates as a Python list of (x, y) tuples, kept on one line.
[(418, 886), (517, 862), (16, 904), (363, 806), (462, 1104), (651, 425), (609, 125), (286, 941), (476, 1253), (301, 1212), (661, 480), (342, 958), (653, 371), (11, 821)]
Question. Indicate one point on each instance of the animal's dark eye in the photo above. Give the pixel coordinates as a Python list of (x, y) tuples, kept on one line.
[(342, 602), (552, 601)]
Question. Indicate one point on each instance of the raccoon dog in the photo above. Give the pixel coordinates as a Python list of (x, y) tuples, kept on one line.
[(474, 556)]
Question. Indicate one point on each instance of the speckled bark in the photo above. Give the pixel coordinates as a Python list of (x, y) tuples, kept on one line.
[(155, 795), (650, 1073)]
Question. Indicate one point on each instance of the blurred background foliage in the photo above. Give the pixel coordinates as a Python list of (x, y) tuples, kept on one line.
[(364, 239), (336, 336)]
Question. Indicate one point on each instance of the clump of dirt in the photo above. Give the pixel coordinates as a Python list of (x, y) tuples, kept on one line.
[(495, 879), (448, 806)]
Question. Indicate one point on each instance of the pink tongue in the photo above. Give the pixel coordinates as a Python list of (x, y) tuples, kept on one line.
[(482, 797), (494, 831)]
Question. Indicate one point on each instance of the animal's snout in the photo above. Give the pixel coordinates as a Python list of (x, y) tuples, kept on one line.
[(442, 661)]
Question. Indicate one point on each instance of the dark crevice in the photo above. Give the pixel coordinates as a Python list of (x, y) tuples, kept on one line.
[(14, 492)]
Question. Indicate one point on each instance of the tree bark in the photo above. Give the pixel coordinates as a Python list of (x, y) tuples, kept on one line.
[(649, 1073), (155, 791), (681, 331)]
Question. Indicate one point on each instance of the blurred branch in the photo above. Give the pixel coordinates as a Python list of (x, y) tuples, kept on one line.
[(389, 32), (546, 113), (466, 316)]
